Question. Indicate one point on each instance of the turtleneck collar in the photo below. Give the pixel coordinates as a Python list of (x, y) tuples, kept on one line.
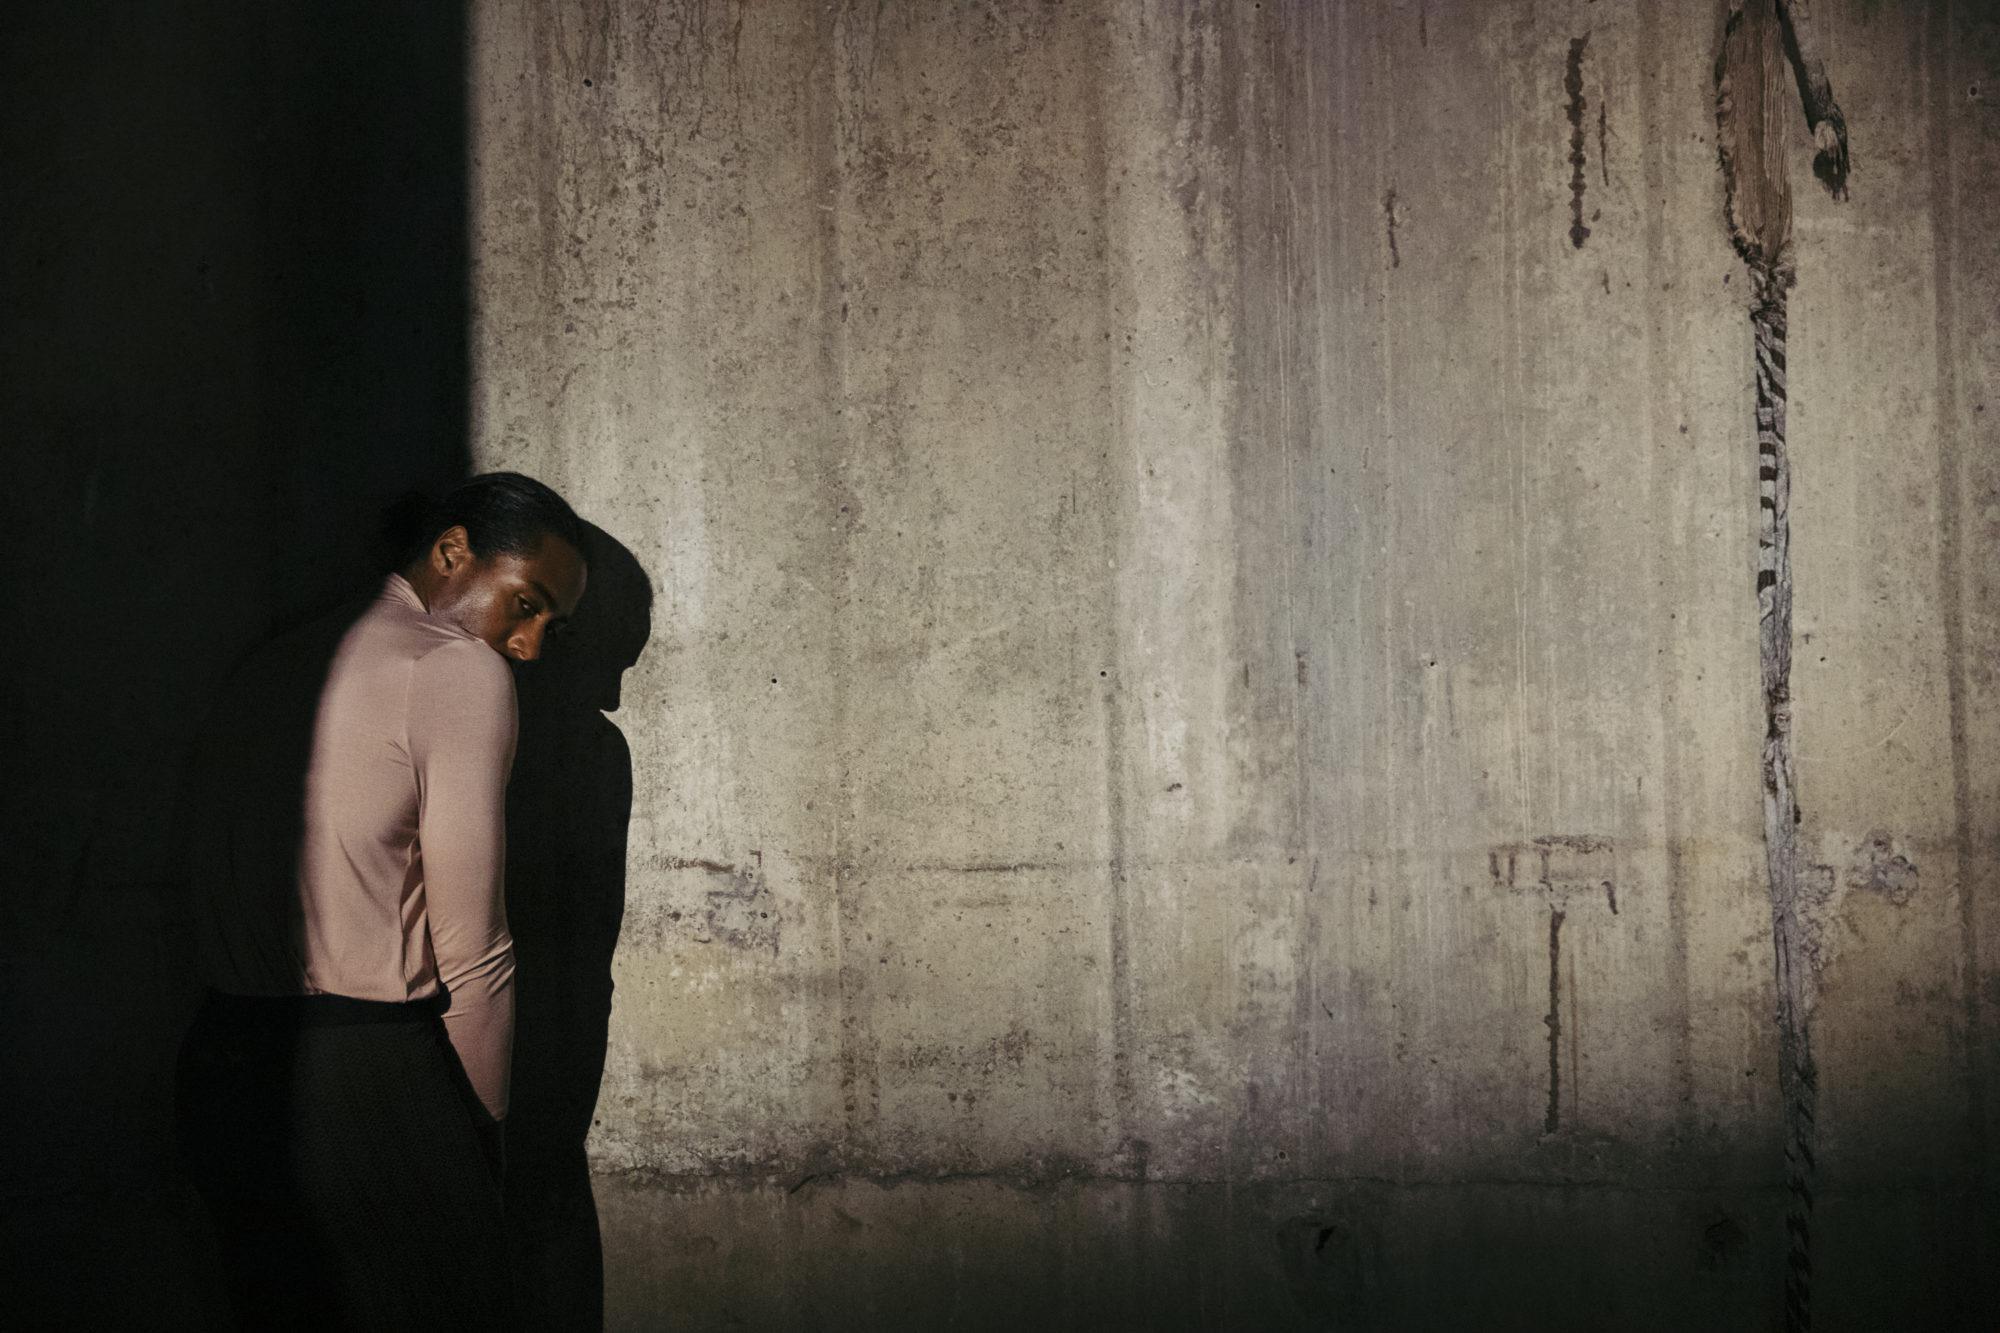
[(400, 591), (396, 588)]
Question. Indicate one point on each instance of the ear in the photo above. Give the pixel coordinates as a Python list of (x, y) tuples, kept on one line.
[(452, 551)]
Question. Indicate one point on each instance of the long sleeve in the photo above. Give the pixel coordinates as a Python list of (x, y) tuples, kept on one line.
[(462, 726)]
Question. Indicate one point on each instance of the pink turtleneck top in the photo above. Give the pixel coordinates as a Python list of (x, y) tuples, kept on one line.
[(387, 883)]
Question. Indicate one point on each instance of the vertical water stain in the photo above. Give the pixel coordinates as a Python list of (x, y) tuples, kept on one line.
[(1389, 211), (1553, 1120), (1573, 85), (1603, 135)]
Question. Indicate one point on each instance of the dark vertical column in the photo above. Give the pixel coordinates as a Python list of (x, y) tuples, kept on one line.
[(362, 172), (233, 261)]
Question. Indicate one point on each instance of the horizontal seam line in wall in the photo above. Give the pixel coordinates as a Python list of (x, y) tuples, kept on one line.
[(783, 1180)]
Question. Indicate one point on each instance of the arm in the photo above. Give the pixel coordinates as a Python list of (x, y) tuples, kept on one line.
[(461, 728)]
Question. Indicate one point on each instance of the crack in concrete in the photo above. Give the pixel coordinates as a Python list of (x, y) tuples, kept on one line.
[(1797, 1076), (1749, 92)]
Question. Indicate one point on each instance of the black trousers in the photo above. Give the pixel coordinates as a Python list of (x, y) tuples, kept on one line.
[(339, 1148)]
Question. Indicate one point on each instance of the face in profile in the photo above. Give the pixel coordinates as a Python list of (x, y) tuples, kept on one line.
[(510, 601)]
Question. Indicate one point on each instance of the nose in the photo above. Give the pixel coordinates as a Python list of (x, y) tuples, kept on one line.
[(525, 645)]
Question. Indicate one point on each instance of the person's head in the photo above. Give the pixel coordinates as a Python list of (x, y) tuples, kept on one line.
[(501, 557)]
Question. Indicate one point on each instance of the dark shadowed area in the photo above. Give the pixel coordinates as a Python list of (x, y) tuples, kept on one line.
[(233, 254), (568, 809)]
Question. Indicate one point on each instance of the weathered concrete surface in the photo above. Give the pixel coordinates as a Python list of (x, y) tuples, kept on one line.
[(1205, 686)]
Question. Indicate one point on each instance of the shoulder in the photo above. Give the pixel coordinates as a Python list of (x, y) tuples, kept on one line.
[(465, 668), (461, 692), (459, 687)]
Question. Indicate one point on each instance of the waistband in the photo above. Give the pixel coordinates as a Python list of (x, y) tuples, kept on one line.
[(322, 1010)]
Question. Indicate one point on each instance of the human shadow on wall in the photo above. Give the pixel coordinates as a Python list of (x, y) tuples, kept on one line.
[(568, 808)]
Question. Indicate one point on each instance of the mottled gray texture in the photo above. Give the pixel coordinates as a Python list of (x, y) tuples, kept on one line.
[(1177, 554)]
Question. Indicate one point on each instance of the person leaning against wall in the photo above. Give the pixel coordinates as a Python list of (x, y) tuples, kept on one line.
[(341, 1092)]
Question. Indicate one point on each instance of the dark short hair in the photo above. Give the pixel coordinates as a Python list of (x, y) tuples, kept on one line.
[(501, 512)]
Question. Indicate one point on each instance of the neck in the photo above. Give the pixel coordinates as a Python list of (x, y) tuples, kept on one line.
[(425, 581)]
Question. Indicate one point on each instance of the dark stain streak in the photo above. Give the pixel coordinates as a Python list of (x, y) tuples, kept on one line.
[(1423, 29), (1611, 896), (1553, 1121), (695, 863), (1603, 136), (1389, 209), (1573, 85)]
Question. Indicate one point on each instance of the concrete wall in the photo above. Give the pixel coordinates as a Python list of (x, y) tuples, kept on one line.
[(1198, 758)]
